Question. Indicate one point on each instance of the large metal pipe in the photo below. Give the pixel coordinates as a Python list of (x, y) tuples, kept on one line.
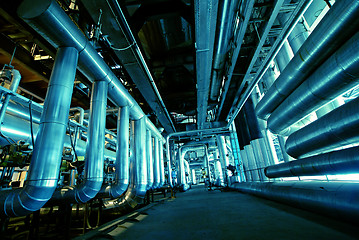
[(205, 22), (94, 159), (149, 153), (338, 128), (335, 199), (338, 74), (49, 20), (122, 163), (156, 164), (45, 164), (337, 162), (162, 165), (138, 169), (227, 11), (338, 25)]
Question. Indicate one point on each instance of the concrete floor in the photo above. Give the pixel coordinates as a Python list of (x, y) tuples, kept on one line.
[(202, 214)]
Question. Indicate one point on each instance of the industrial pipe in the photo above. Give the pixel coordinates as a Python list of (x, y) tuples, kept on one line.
[(337, 162), (313, 52), (156, 164), (227, 13), (338, 74), (14, 84), (122, 163), (45, 164), (138, 170), (94, 158), (338, 128), (49, 20), (335, 199), (162, 165), (149, 153)]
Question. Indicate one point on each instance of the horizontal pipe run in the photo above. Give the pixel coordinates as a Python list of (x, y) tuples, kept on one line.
[(338, 74), (338, 25), (337, 162), (334, 199), (338, 128), (49, 20)]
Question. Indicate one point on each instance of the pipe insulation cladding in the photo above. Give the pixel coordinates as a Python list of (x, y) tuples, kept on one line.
[(335, 199), (45, 163), (337, 162), (337, 26), (338, 74), (338, 128)]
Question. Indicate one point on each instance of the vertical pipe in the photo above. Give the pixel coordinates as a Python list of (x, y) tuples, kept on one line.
[(140, 166), (207, 164), (156, 164), (95, 145), (46, 159), (122, 163), (162, 165), (149, 151)]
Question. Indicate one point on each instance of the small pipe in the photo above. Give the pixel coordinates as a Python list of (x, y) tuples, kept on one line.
[(15, 81)]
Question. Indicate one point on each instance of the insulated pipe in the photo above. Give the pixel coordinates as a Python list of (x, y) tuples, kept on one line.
[(45, 164), (251, 120), (339, 24), (138, 183), (227, 13), (94, 158), (50, 21), (298, 35), (156, 165), (337, 162), (122, 163), (338, 74), (338, 128), (208, 131), (162, 165), (335, 199), (223, 156), (149, 151), (16, 77)]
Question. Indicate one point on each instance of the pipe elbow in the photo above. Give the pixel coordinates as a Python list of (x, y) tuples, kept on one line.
[(88, 190), (118, 189), (29, 199)]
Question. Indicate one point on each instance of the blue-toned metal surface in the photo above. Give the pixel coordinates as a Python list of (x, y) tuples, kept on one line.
[(337, 162), (335, 199), (46, 159), (338, 25), (95, 145), (338, 128), (338, 74)]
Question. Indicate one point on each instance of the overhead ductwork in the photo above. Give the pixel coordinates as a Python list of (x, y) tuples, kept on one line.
[(205, 29), (335, 199), (337, 75), (338, 25), (337, 162), (119, 35), (338, 128)]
